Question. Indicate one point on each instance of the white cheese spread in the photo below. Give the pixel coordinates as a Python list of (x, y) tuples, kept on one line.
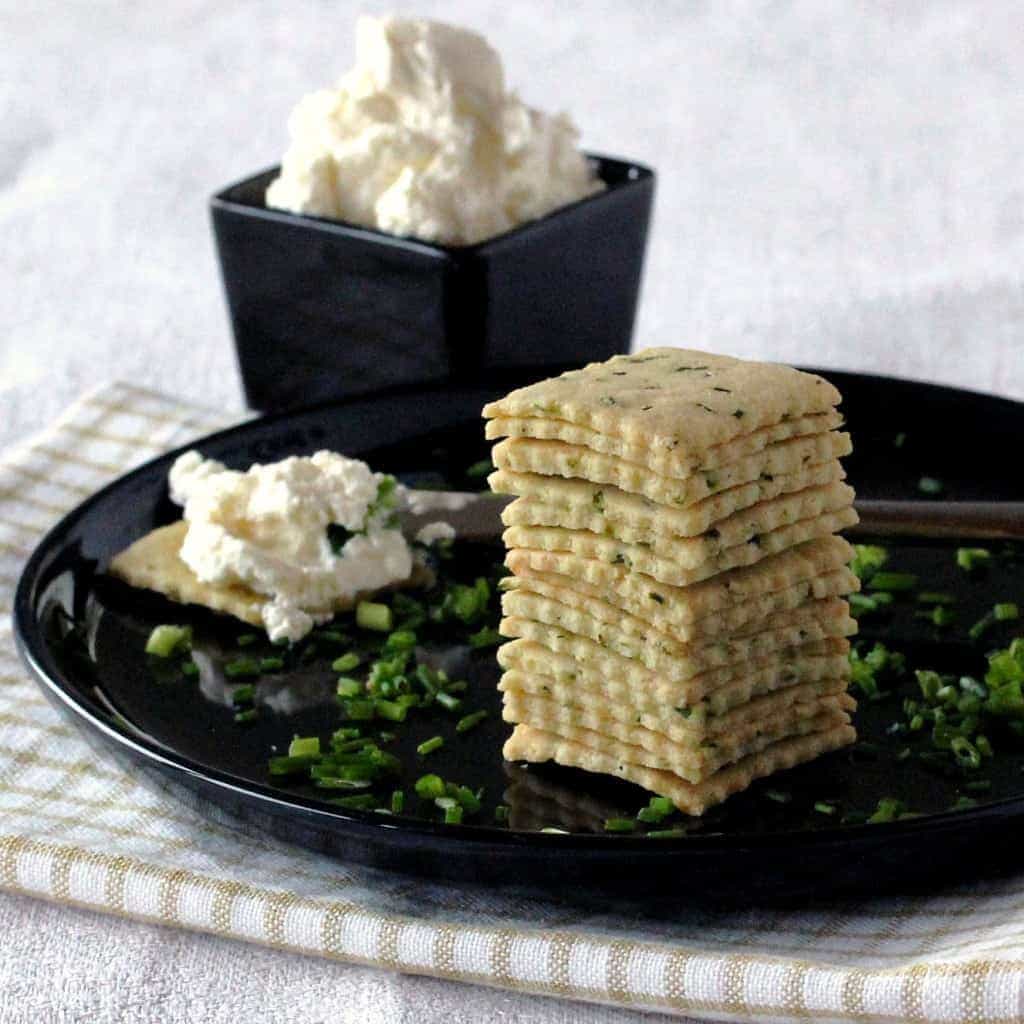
[(421, 138), (305, 531)]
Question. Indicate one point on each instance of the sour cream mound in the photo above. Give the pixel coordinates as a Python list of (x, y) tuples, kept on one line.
[(421, 138), (267, 529)]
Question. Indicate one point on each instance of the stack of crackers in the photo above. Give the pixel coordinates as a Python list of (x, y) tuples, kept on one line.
[(676, 605)]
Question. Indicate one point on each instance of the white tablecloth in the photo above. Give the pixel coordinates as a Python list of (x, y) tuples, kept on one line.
[(839, 184)]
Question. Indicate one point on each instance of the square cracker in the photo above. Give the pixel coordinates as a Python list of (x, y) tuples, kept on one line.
[(643, 513), (542, 695), (694, 762), (555, 458), (689, 552), (737, 618), (643, 560), (616, 654), (619, 586), (675, 463), (632, 638), (715, 692), (536, 745), (667, 398)]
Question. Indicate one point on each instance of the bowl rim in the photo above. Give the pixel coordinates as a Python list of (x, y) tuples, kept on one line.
[(636, 174)]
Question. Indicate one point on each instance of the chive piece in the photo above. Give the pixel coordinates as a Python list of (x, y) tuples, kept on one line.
[(348, 688), (984, 746), (778, 796), (978, 785), (453, 815), (501, 813), (429, 746), (271, 664), (243, 694), (824, 807), (373, 616), (619, 825), (288, 765), (429, 787), (247, 715), (933, 597), (942, 616), (963, 802), (325, 781), (470, 721), (888, 809), (978, 630), (247, 640), (893, 581), (551, 830), (167, 640), (360, 802), (666, 833), (868, 559), (241, 667), (189, 669), (345, 663), (390, 710), (448, 702), (965, 752), (970, 559), (400, 640), (1006, 611), (332, 636), (485, 637), (930, 485), (359, 710), (899, 440), (397, 801), (304, 746), (480, 469)]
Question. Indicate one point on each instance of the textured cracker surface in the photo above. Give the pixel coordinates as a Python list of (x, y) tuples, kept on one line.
[(736, 618), (688, 552), (804, 562), (555, 458), (646, 562), (715, 692), (153, 563), (532, 698), (529, 744), (668, 398), (675, 463), (693, 762), (615, 650)]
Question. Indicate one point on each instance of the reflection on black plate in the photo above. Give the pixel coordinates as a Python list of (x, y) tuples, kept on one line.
[(83, 635)]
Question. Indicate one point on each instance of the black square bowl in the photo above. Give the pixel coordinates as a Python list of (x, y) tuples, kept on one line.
[(323, 309)]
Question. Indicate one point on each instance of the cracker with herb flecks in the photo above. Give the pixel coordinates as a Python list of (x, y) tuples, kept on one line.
[(643, 513), (693, 761), (688, 552), (678, 462), (630, 637), (738, 618), (646, 562), (713, 692), (668, 399), (603, 646), (681, 724), (536, 745), (687, 604)]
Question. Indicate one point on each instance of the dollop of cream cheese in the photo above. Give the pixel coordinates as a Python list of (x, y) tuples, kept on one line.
[(267, 529), (422, 138)]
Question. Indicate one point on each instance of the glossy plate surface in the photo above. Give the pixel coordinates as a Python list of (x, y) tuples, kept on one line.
[(82, 635)]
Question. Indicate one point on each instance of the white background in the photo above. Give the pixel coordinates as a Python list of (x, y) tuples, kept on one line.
[(840, 183)]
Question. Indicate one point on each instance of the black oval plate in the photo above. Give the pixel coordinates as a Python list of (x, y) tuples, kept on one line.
[(183, 735)]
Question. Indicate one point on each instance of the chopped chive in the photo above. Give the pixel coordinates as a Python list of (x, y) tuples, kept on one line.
[(239, 668), (666, 833), (348, 688), (167, 640), (982, 626), (247, 715), (429, 746), (271, 664), (978, 785), (657, 810), (325, 781), (288, 765), (189, 669), (983, 745), (332, 636), (893, 581), (400, 640), (360, 802), (619, 825), (453, 815), (899, 440), (390, 710), (485, 637), (963, 802), (448, 702), (551, 830), (243, 694), (970, 559), (247, 639), (868, 559), (888, 809), (824, 807), (479, 469), (429, 787), (930, 485), (359, 710), (934, 597), (1006, 611), (373, 616), (345, 663), (942, 616), (304, 746), (501, 813), (397, 801), (778, 796), (470, 721)]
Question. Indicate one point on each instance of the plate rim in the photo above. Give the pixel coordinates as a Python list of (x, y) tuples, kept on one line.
[(57, 685)]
